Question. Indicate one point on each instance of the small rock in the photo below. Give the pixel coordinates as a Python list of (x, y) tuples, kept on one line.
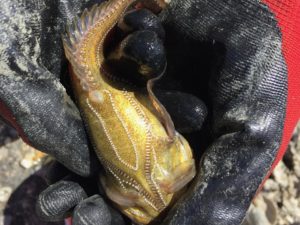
[(31, 158), (271, 211), (270, 185), (281, 175), (261, 212), (26, 164), (5, 193), (291, 207), (290, 219)]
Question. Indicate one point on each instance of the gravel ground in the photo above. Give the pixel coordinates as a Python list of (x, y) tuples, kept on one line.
[(20, 183)]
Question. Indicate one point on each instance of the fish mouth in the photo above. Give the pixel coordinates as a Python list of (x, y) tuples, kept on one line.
[(138, 216)]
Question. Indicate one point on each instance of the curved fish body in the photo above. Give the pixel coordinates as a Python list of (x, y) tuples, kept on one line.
[(146, 161)]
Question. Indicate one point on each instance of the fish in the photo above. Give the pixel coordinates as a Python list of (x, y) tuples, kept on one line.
[(146, 161)]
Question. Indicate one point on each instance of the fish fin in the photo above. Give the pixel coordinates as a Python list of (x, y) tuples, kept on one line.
[(180, 176), (74, 35), (125, 199), (164, 116), (80, 26)]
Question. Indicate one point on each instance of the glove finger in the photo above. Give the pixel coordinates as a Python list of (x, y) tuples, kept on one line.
[(57, 200), (142, 19), (187, 111), (138, 58), (48, 120), (94, 211)]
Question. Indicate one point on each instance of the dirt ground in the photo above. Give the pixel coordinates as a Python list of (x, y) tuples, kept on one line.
[(278, 203)]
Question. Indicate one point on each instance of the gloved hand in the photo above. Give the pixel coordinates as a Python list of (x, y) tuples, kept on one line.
[(32, 97), (240, 55), (245, 55)]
